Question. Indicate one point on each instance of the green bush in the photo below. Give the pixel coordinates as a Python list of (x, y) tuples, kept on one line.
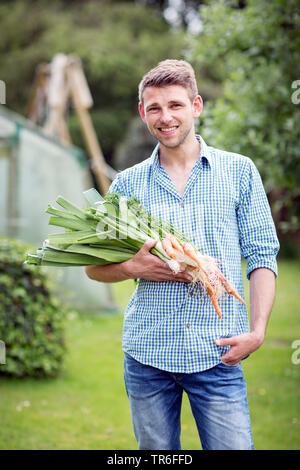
[(31, 317)]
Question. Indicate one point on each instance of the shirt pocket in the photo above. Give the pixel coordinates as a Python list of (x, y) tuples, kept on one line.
[(220, 202), (222, 212)]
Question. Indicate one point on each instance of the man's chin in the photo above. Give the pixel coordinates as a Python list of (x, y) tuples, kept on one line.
[(169, 143)]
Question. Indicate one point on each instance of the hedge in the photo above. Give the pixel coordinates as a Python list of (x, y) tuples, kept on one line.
[(31, 316)]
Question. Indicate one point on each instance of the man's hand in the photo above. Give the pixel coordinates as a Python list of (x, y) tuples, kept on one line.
[(240, 346), (147, 266)]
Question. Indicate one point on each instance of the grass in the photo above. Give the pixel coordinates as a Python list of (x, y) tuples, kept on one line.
[(86, 407)]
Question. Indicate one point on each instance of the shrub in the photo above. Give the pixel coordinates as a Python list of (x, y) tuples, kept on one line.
[(31, 317), (252, 48)]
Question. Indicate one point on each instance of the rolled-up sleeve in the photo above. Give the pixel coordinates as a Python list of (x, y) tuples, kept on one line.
[(117, 186), (257, 232)]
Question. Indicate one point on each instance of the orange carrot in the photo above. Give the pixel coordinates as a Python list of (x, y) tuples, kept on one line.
[(166, 244), (175, 243), (232, 291), (190, 251), (214, 299)]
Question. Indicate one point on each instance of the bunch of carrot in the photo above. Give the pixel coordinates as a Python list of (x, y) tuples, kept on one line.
[(204, 269)]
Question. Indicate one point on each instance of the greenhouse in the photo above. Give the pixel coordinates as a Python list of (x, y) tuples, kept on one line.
[(34, 170)]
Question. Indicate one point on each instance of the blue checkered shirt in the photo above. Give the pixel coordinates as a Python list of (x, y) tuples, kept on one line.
[(224, 211)]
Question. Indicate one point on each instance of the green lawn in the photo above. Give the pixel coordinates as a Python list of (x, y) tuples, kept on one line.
[(86, 407)]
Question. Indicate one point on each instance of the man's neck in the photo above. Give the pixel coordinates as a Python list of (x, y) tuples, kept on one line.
[(182, 157)]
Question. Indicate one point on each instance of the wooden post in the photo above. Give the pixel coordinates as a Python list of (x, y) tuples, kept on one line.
[(13, 185), (59, 81), (81, 102), (58, 95), (38, 94)]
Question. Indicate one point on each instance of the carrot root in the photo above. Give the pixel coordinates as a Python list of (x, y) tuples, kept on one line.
[(232, 291), (214, 300), (208, 273)]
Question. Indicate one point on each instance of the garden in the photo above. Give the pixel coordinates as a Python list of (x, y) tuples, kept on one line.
[(61, 359)]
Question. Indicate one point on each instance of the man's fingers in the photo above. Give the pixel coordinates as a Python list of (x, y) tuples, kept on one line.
[(184, 278), (225, 341), (181, 279), (228, 362), (149, 244)]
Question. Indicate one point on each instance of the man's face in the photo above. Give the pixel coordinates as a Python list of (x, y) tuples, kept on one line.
[(169, 113)]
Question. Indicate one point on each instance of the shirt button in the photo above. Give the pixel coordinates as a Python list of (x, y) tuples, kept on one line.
[(182, 204), (191, 292), (187, 325)]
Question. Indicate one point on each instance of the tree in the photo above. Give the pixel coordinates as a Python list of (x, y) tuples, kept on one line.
[(179, 13), (117, 42), (254, 53)]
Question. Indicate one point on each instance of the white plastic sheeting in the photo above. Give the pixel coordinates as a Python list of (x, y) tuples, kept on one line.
[(34, 170)]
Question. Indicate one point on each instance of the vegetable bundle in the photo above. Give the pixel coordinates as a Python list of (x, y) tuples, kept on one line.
[(112, 230)]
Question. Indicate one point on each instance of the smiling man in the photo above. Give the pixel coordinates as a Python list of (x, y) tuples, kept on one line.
[(173, 341), (169, 114)]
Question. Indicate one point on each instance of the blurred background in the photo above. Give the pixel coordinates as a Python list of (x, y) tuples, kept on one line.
[(69, 72)]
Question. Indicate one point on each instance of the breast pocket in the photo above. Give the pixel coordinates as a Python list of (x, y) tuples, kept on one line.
[(222, 209)]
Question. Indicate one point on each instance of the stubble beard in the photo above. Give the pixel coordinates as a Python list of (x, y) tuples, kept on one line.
[(171, 145)]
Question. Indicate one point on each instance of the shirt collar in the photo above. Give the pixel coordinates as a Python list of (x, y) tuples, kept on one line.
[(204, 153)]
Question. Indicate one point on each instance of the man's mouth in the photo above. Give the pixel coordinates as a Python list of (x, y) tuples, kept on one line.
[(167, 130)]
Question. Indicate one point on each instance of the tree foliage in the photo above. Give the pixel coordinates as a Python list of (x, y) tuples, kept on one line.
[(117, 42), (254, 53)]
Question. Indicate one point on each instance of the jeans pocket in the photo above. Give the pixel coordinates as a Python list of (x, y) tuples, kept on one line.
[(230, 365), (224, 350)]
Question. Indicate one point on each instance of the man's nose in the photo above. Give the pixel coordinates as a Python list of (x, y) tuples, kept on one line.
[(165, 116)]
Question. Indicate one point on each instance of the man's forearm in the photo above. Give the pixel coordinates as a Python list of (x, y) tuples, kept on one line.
[(262, 294), (115, 272)]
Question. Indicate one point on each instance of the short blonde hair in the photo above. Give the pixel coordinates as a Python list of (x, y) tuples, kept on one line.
[(170, 72)]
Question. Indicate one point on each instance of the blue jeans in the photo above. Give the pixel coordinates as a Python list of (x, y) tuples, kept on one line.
[(218, 400)]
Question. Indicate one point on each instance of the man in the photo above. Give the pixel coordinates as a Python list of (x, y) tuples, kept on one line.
[(172, 338)]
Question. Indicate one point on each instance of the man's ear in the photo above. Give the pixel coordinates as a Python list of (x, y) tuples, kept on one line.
[(197, 106), (142, 112)]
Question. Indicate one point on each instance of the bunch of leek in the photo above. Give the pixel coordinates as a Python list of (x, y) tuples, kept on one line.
[(111, 230)]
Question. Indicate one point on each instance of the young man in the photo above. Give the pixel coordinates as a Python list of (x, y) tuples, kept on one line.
[(173, 339)]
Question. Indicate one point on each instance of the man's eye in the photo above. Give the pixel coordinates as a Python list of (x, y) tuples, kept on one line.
[(176, 105), (152, 109)]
